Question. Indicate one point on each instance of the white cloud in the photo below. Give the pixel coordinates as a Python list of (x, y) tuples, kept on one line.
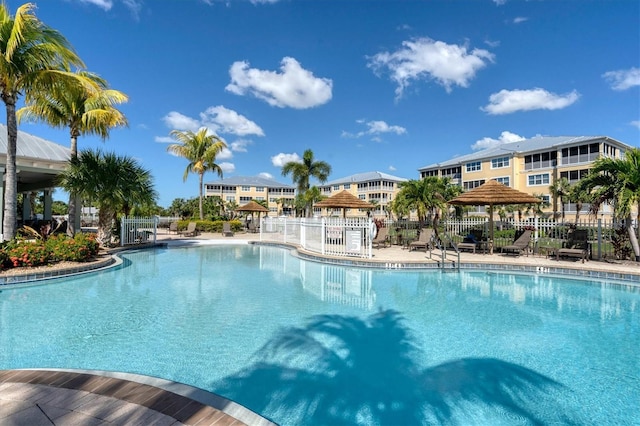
[(175, 120), (392, 169), (225, 154), (102, 4), (265, 175), (264, 1), (520, 19), (227, 167), (240, 145), (376, 127), (282, 159), (223, 120), (505, 137), (635, 123), (509, 101), (426, 59), (623, 79), (164, 139), (499, 2), (293, 87)]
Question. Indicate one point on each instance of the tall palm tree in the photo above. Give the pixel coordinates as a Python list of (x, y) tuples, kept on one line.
[(32, 56), (200, 149), (83, 103), (617, 181), (302, 172), (560, 190), (115, 184)]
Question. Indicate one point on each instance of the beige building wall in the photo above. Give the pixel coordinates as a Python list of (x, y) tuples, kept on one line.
[(241, 190)]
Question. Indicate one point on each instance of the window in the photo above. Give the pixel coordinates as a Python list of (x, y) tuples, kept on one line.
[(336, 187), (259, 198), (347, 186), (498, 163), (541, 179), (476, 166), (574, 176), (246, 188), (546, 199), (245, 200), (580, 154), (362, 196), (540, 161), (230, 198), (259, 188), (472, 184), (429, 173), (503, 180)]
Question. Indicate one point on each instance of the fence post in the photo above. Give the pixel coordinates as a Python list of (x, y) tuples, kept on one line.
[(122, 234), (156, 219), (323, 233), (599, 239)]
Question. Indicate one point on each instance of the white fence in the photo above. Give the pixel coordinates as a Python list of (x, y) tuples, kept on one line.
[(348, 237), (138, 230)]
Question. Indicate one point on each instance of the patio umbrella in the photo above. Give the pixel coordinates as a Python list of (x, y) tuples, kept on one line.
[(493, 193), (344, 200)]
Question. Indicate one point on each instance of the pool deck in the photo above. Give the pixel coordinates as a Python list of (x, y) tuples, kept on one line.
[(70, 397)]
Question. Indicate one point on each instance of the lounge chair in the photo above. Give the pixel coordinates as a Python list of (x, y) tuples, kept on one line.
[(252, 227), (226, 230), (173, 227), (382, 237), (425, 240), (472, 241), (191, 230), (576, 245), (520, 244)]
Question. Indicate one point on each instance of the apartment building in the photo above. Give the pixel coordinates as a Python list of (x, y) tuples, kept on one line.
[(376, 187), (242, 189), (531, 165)]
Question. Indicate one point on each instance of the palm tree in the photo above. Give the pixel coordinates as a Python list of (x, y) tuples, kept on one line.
[(84, 104), (617, 181), (301, 172), (560, 190), (579, 195), (201, 150), (32, 57), (424, 196), (115, 183)]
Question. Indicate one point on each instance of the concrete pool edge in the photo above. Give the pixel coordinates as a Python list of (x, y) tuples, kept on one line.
[(182, 402)]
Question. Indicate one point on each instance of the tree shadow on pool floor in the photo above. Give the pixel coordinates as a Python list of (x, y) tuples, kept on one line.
[(348, 370)]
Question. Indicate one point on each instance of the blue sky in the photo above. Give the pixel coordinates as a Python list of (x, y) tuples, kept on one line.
[(367, 85)]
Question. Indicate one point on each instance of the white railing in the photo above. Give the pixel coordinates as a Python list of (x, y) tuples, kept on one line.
[(138, 230), (348, 237)]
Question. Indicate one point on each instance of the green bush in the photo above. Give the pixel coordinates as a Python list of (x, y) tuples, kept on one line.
[(214, 226)]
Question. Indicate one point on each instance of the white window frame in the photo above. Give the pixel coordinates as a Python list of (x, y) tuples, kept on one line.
[(542, 177), (474, 166), (501, 179), (500, 162)]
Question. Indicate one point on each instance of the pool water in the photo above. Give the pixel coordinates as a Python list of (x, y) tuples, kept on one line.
[(307, 343)]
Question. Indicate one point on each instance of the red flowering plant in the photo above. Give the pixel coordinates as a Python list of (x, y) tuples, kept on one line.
[(26, 253), (80, 248)]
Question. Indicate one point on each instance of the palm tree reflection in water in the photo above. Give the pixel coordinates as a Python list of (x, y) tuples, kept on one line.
[(347, 370)]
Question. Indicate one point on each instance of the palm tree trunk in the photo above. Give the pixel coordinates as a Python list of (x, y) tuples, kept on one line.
[(11, 184), (105, 224), (71, 211), (633, 238), (200, 179)]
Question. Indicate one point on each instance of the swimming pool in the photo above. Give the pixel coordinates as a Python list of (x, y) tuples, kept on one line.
[(309, 343)]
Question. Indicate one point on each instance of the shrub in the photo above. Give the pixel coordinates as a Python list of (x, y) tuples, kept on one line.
[(27, 253), (58, 248)]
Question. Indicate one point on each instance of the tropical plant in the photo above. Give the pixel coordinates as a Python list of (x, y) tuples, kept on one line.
[(617, 181), (579, 195), (115, 184), (302, 171), (425, 196), (81, 102), (33, 56), (560, 190), (200, 149)]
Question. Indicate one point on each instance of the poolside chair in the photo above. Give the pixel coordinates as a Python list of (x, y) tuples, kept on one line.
[(472, 241), (226, 230), (576, 245), (425, 240), (173, 227), (382, 238), (191, 230), (252, 227), (520, 244)]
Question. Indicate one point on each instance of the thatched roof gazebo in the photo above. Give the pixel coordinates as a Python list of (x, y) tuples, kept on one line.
[(253, 207), (493, 193), (344, 200)]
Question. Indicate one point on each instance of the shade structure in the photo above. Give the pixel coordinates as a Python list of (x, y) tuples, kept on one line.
[(344, 200), (493, 193), (253, 206)]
